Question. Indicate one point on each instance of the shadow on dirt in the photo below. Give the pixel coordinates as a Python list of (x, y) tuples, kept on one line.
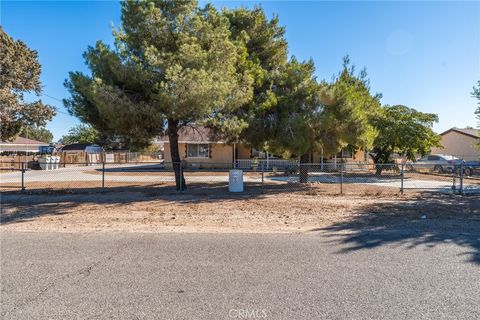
[(412, 220), (17, 206), (424, 220)]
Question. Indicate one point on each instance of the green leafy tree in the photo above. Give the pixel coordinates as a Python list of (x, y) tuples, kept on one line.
[(37, 133), (173, 64), (476, 94), (19, 74), (81, 134), (405, 131)]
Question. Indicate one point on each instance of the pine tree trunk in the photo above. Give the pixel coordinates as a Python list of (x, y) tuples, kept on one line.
[(304, 160), (175, 154)]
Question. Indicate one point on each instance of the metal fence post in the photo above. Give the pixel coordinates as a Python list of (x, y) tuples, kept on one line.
[(103, 174), (341, 178), (181, 175), (263, 172), (23, 176), (401, 178), (454, 180), (461, 178)]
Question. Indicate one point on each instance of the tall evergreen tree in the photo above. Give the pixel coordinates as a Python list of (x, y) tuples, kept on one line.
[(173, 64), (303, 116), (265, 57), (348, 109), (327, 116), (19, 74)]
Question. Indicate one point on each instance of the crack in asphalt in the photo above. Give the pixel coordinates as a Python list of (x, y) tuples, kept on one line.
[(83, 272)]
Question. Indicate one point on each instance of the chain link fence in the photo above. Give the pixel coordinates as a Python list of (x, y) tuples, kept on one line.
[(315, 178)]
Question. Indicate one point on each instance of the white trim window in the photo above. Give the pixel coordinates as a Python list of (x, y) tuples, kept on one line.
[(258, 154), (197, 150)]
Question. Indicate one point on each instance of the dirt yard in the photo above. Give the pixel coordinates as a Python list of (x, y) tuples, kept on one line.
[(150, 210)]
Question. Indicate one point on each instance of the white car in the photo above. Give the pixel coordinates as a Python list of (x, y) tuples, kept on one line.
[(435, 162)]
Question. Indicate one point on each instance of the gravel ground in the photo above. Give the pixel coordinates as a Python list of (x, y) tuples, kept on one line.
[(217, 211)]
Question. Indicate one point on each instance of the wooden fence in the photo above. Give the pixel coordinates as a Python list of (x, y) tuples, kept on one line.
[(15, 162)]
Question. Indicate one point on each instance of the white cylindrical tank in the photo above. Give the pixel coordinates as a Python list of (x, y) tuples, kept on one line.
[(235, 181), (50, 163), (57, 161), (43, 163)]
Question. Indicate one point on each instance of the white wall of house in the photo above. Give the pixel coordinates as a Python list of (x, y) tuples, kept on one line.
[(20, 148)]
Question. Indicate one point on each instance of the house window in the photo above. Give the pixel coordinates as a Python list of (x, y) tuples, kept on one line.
[(345, 153), (197, 150), (258, 154)]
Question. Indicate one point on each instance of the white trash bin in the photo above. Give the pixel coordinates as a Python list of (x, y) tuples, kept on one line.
[(235, 181), (44, 162), (57, 162), (50, 163)]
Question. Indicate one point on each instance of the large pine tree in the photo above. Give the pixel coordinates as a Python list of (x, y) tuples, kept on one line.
[(173, 64)]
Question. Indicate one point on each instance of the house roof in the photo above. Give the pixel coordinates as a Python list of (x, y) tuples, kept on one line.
[(193, 135), (468, 132), (24, 141), (79, 146)]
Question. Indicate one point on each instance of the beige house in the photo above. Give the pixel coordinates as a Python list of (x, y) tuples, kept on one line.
[(198, 149), (345, 156), (460, 143)]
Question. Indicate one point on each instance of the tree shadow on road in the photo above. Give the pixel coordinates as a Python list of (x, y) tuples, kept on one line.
[(428, 219)]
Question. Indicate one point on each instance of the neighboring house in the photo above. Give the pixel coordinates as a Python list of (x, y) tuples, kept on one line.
[(87, 153), (343, 156), (22, 145), (198, 149), (460, 143)]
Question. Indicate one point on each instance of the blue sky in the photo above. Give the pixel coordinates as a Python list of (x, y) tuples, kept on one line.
[(422, 54)]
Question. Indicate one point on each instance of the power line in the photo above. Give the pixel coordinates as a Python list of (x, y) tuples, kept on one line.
[(45, 95), (56, 108)]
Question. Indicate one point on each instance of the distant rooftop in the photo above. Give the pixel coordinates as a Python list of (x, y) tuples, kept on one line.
[(80, 147), (24, 141), (467, 131)]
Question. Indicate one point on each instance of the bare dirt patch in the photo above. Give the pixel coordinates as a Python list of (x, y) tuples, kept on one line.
[(164, 210)]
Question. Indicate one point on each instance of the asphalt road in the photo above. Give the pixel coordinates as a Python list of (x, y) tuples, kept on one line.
[(237, 276)]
